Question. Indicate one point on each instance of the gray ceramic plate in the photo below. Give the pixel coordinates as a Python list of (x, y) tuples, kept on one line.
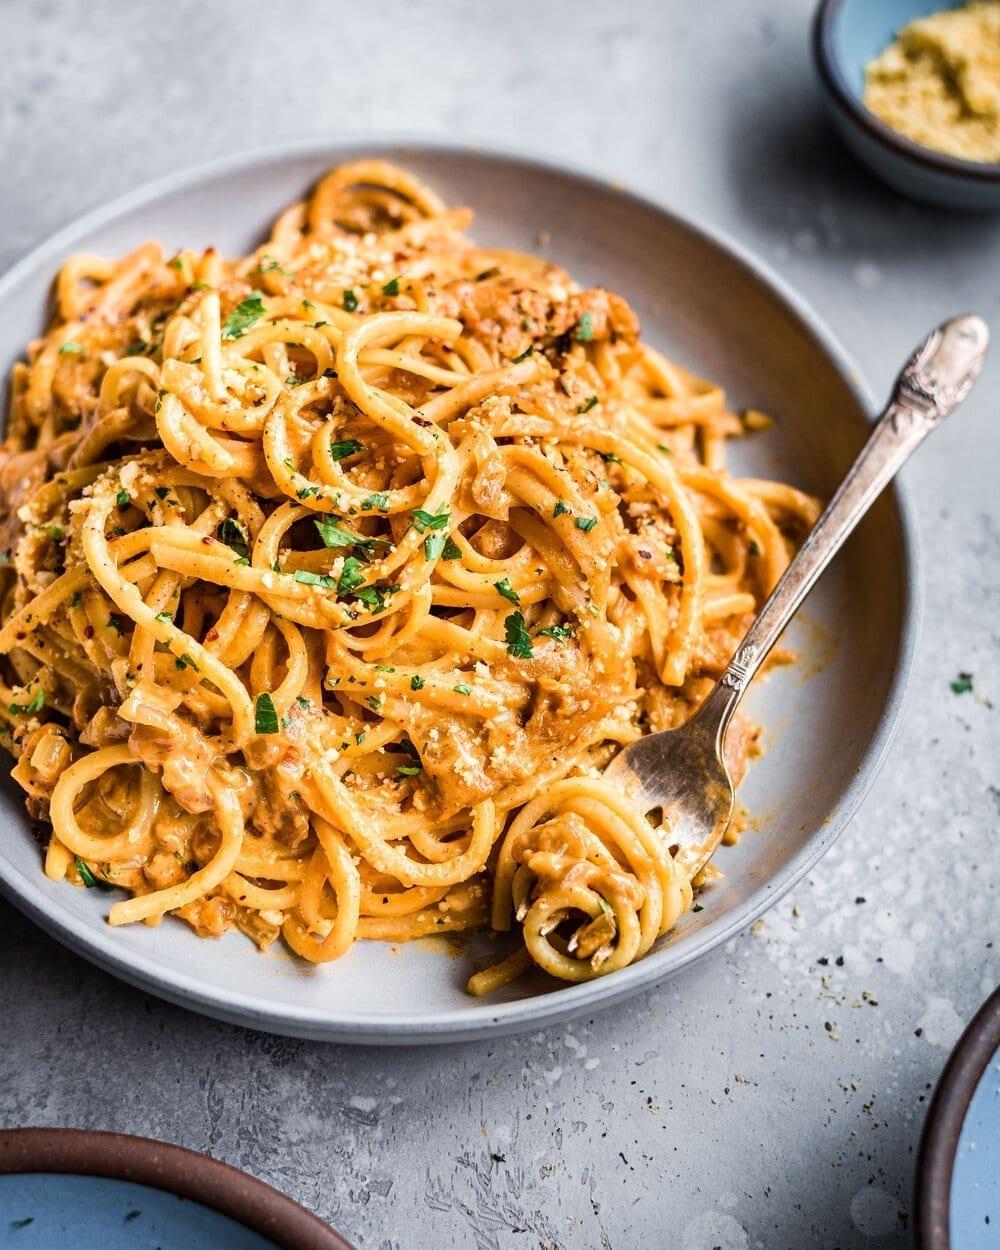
[(828, 721)]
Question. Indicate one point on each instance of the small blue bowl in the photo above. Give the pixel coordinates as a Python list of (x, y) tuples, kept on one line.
[(958, 1168), (847, 34)]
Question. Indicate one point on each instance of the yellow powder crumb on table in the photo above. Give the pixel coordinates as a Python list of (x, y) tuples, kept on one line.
[(939, 83)]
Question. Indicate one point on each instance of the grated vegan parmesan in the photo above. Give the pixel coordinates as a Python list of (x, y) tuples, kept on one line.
[(939, 82)]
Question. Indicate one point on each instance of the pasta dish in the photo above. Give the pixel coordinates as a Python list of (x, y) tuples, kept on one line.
[(334, 575)]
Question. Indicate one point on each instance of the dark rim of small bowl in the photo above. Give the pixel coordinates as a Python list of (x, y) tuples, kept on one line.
[(829, 70), (949, 1107), (159, 1165)]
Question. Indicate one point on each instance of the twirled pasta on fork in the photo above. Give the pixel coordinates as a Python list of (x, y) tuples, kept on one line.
[(336, 573)]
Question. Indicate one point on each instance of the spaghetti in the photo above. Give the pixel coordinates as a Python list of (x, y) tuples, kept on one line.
[(336, 573)]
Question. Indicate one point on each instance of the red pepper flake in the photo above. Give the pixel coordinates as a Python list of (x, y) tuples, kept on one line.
[(88, 632)]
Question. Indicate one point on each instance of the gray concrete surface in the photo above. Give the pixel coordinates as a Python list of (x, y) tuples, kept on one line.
[(774, 1095)]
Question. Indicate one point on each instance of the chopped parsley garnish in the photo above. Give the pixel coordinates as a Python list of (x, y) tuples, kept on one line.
[(161, 492), (375, 703), (350, 576), (184, 661), (269, 265), (667, 451), (524, 355), (507, 590), (75, 600), (560, 509), (86, 876), (670, 553), (452, 551), (265, 715), (350, 301), (175, 263), (359, 739), (123, 499), (434, 546), (430, 520), (754, 547), (415, 766), (164, 617), (70, 348), (584, 331), (348, 447), (308, 578), (697, 907), (556, 631), (374, 596), (609, 457), (462, 689), (377, 502), (235, 535), (246, 314), (590, 402), (498, 1158), (35, 705), (962, 684), (302, 701), (334, 535), (517, 636), (391, 287), (585, 523), (417, 682)]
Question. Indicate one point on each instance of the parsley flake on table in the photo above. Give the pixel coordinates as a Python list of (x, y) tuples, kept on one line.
[(962, 684)]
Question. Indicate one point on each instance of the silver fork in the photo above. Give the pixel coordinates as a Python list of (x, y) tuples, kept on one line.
[(683, 771)]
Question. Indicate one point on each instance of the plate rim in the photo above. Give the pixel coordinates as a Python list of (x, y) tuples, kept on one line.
[(481, 1020), (190, 1174), (975, 1050)]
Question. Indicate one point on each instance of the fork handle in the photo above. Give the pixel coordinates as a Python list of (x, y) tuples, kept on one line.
[(935, 379)]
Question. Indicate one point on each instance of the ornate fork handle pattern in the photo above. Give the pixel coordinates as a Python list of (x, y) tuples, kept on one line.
[(935, 379)]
